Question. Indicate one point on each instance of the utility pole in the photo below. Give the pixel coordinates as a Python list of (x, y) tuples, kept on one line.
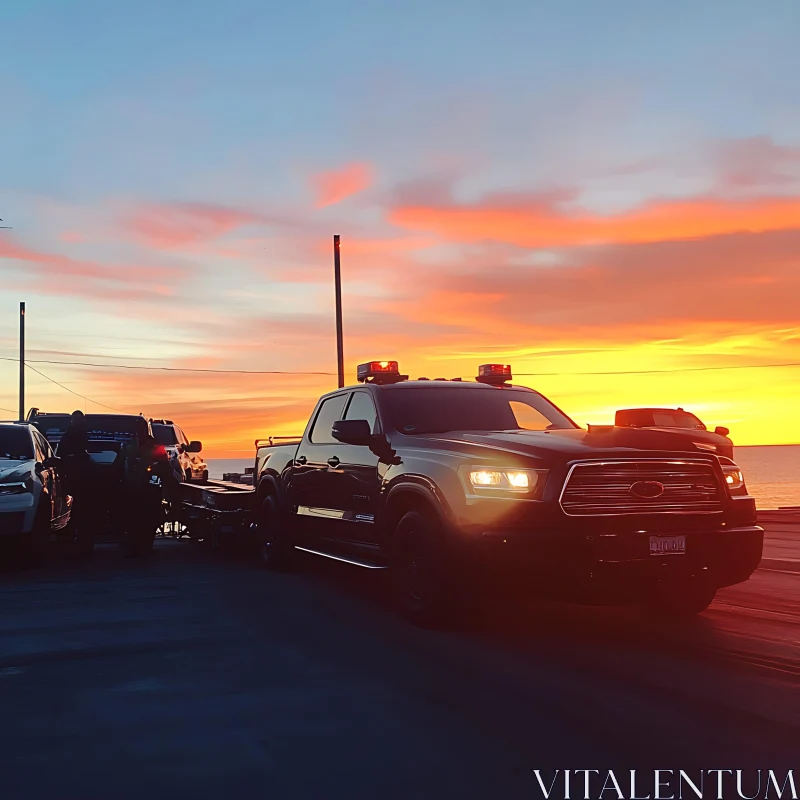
[(21, 362), (337, 277)]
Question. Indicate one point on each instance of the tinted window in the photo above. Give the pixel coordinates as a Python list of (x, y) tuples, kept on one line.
[(362, 407), (165, 434), (429, 410), (43, 451), (663, 419), (15, 442), (99, 424), (52, 427), (330, 412)]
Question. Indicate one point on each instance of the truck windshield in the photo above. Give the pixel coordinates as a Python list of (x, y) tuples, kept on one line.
[(165, 434), (674, 419), (52, 426), (15, 443), (99, 426), (428, 410)]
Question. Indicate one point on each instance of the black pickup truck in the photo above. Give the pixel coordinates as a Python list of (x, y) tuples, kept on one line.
[(447, 482)]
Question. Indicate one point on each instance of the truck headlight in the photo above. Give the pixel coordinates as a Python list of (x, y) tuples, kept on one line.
[(527, 483), (734, 479), (13, 488)]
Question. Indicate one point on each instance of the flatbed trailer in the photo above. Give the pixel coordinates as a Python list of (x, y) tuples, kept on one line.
[(222, 513), (215, 511)]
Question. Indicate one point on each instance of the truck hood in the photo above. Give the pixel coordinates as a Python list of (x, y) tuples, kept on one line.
[(577, 443), (12, 469)]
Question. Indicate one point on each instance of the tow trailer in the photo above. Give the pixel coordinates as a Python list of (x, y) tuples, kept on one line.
[(221, 513)]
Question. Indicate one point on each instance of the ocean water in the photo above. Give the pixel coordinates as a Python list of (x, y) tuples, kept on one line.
[(772, 472)]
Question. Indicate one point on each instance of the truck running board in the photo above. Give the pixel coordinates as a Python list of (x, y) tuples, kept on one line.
[(354, 561)]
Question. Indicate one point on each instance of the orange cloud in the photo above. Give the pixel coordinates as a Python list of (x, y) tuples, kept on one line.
[(170, 227), (58, 274), (538, 224), (336, 185)]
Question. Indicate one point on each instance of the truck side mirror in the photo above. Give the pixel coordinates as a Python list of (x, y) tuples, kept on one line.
[(194, 447), (720, 431), (352, 431)]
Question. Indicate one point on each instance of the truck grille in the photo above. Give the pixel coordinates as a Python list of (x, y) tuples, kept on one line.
[(641, 487)]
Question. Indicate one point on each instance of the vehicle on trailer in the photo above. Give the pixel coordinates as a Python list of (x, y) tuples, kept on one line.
[(680, 421), (33, 502), (446, 483), (178, 446)]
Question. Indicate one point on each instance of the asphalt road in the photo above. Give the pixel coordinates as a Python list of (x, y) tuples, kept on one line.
[(193, 677)]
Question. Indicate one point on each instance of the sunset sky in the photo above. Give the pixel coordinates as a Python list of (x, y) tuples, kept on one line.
[(574, 188)]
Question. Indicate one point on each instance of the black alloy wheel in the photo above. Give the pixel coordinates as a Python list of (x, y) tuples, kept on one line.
[(275, 547), (419, 571)]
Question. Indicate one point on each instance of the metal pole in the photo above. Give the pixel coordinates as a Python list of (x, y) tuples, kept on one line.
[(21, 362), (337, 276)]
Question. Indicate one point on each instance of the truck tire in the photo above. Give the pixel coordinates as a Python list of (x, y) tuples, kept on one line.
[(33, 544), (421, 580), (681, 600), (275, 547)]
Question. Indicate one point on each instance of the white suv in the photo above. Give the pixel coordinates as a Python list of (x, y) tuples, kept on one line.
[(33, 503), (179, 448)]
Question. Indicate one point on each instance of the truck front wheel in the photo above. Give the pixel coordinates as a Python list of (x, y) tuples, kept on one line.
[(420, 571), (273, 537)]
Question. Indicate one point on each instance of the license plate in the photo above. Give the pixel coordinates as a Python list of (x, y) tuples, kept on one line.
[(667, 545)]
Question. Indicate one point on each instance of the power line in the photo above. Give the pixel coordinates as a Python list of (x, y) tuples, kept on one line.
[(66, 388), (661, 371), (169, 369), (286, 372)]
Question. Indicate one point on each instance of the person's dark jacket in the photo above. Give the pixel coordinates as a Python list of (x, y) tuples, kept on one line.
[(74, 442), (75, 460)]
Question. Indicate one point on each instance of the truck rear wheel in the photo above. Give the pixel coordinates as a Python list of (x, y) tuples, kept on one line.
[(276, 551), (420, 573)]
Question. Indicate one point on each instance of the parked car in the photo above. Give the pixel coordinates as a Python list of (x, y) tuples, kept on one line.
[(107, 434), (178, 446), (33, 502), (678, 421)]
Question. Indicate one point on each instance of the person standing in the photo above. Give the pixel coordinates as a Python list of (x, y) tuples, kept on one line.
[(73, 453), (141, 496)]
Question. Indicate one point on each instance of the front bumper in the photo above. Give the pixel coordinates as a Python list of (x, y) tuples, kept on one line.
[(618, 564), (17, 512)]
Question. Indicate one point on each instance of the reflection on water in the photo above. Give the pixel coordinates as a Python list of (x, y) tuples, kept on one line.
[(772, 472)]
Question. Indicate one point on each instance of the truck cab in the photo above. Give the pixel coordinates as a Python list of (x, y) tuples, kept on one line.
[(433, 479)]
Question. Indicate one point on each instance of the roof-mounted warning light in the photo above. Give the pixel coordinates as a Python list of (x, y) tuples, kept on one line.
[(380, 372), (494, 374)]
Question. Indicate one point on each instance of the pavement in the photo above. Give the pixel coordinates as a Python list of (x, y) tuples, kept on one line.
[(192, 676)]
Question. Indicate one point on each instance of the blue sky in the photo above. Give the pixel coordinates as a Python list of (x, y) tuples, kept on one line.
[(221, 118)]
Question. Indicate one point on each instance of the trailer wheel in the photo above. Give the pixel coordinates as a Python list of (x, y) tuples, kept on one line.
[(276, 550)]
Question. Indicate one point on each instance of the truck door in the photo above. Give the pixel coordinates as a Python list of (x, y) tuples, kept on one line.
[(356, 476), (313, 491)]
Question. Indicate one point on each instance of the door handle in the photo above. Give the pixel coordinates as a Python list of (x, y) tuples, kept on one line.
[(333, 461), (300, 460)]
